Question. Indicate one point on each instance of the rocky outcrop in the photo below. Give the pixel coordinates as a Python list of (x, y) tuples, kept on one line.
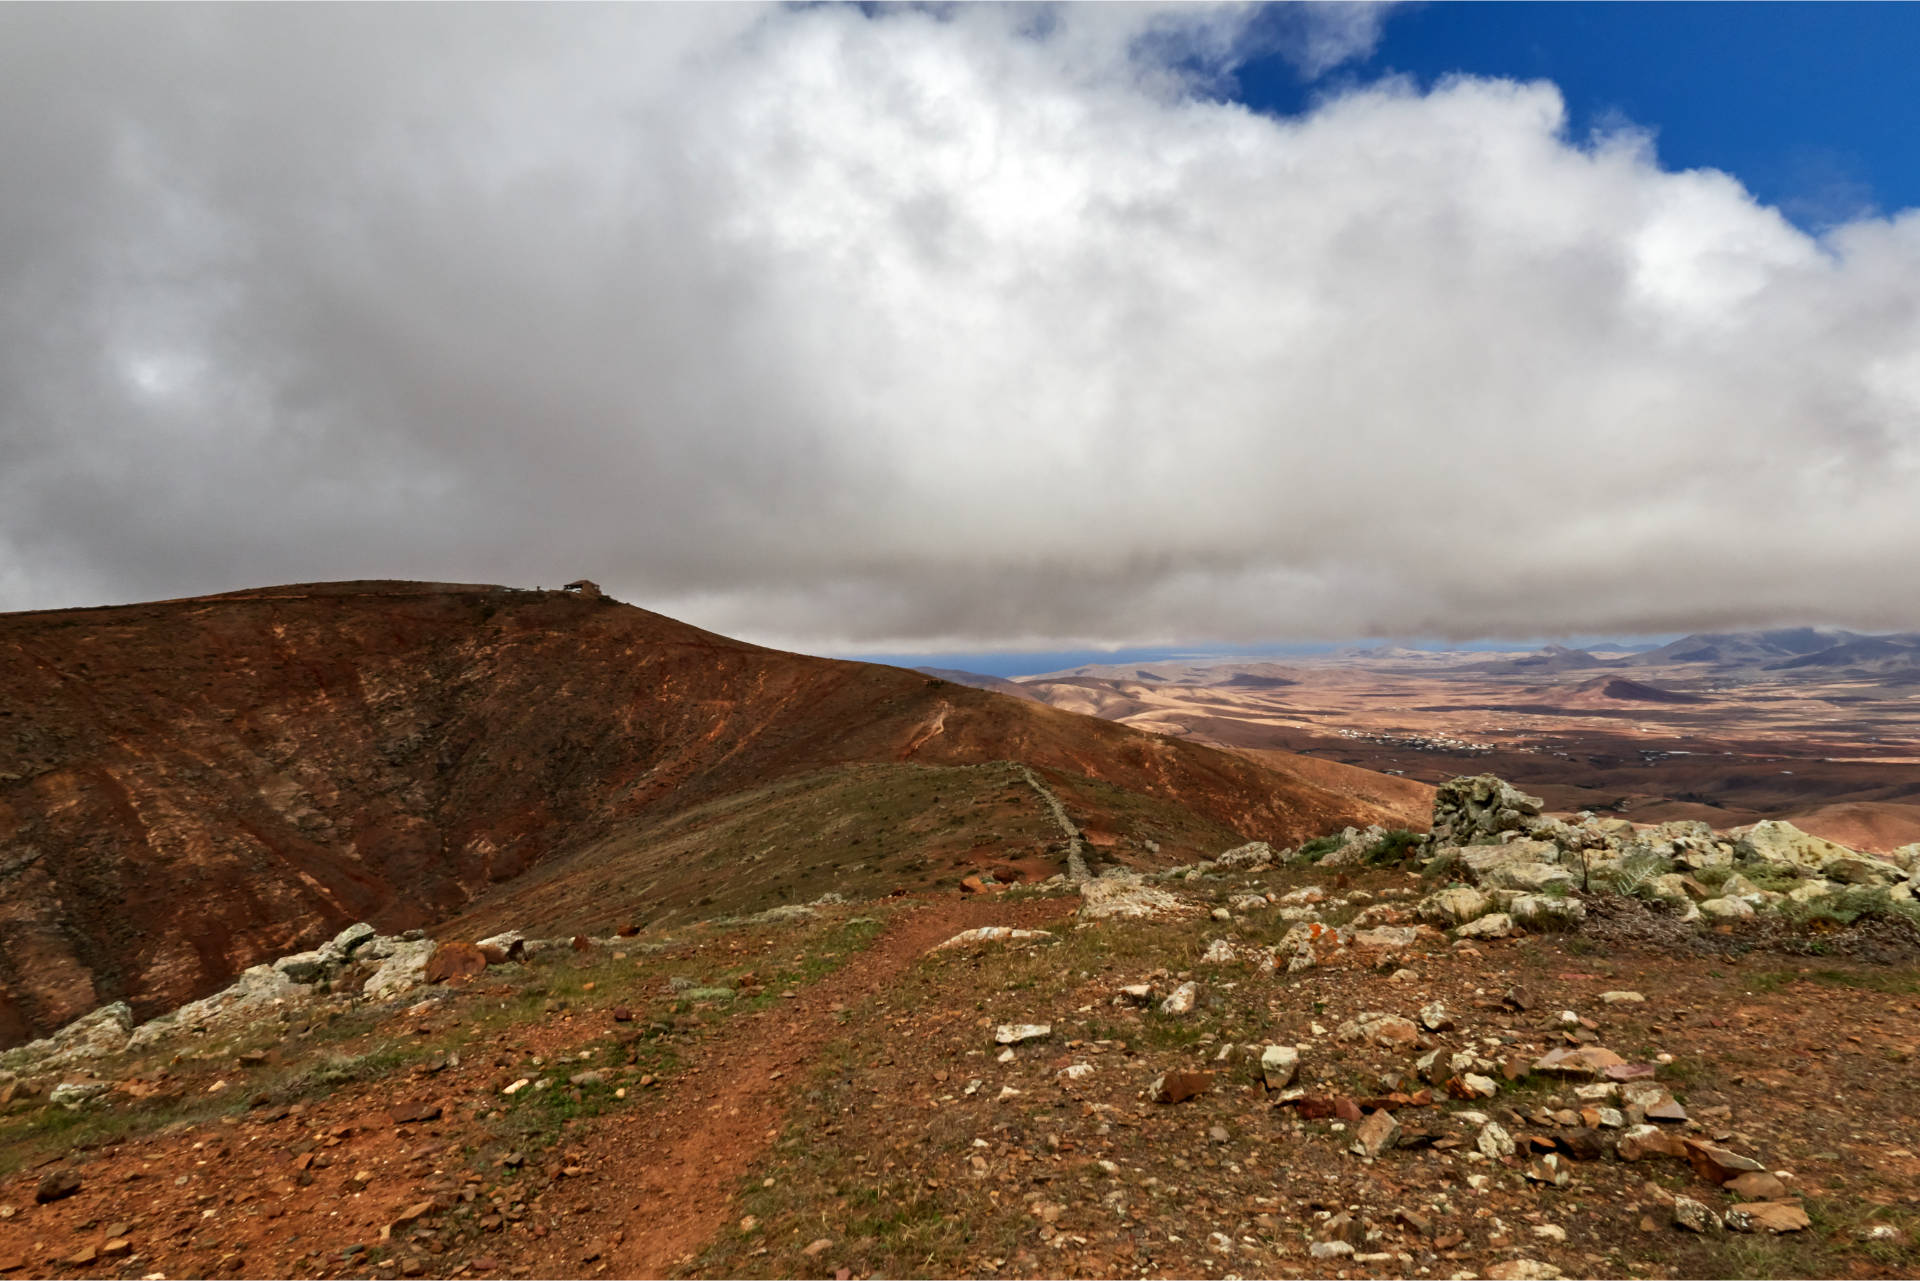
[(1468, 811), (1524, 867)]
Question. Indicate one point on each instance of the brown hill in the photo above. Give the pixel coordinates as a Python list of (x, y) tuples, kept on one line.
[(1609, 691), (189, 787)]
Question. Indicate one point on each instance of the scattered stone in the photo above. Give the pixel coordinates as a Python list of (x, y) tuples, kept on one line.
[(1471, 1085), (1726, 909), (1551, 1168), (1694, 1217), (1435, 1018), (1134, 994), (1494, 1142), (1279, 1064), (1178, 1087), (1376, 1134), (1329, 1249), (1021, 1033), (56, 1185), (994, 934), (817, 1248), (1181, 1000), (1622, 998), (415, 1113), (1717, 1164)]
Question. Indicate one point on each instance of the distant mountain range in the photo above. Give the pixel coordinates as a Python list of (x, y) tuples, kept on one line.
[(1827, 652)]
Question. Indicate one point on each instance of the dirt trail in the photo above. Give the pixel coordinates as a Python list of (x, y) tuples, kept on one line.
[(666, 1178)]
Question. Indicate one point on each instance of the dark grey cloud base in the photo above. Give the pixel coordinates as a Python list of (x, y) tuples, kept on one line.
[(909, 330)]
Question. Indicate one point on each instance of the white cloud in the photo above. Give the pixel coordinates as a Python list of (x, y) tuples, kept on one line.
[(974, 327)]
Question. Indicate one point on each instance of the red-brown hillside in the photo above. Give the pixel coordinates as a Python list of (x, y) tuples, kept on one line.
[(189, 787)]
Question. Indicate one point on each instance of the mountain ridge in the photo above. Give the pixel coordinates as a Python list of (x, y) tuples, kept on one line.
[(189, 786)]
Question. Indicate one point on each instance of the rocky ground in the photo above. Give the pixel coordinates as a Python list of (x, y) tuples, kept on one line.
[(1263, 1065)]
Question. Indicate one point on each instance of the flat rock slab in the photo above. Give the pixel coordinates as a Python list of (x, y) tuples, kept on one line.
[(1717, 1164), (1768, 1216), (415, 1113), (57, 1186)]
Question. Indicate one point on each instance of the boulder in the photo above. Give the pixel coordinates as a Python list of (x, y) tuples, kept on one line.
[(1726, 909), (308, 967), (1496, 926), (1859, 869), (1455, 906), (1546, 912), (1527, 876), (455, 962), (1252, 854), (404, 969), (1780, 844), (1354, 847), (352, 939), (1485, 863)]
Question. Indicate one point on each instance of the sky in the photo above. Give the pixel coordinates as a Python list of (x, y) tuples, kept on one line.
[(974, 328)]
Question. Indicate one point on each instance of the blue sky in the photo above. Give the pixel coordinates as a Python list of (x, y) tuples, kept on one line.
[(1812, 106)]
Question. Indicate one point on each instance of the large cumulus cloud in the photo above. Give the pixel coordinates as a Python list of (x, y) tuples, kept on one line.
[(968, 327)]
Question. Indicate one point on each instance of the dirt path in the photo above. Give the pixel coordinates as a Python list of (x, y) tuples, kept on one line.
[(664, 1180)]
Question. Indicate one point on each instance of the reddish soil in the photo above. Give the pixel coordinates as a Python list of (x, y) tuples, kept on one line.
[(734, 1101), (838, 1116)]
